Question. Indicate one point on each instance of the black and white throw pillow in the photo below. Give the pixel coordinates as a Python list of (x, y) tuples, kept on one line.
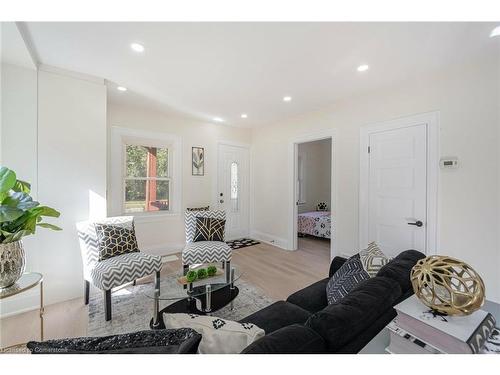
[(209, 229), (357, 268), (115, 240), (205, 208)]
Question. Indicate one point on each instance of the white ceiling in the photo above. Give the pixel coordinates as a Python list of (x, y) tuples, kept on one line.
[(225, 69), (13, 49)]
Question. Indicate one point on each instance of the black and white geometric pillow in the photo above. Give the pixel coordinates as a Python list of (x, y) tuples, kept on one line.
[(115, 240), (345, 279), (209, 229), (205, 208), (357, 268)]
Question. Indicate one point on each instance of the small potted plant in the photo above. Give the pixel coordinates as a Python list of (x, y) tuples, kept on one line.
[(202, 273), (191, 276), (211, 271), (20, 215)]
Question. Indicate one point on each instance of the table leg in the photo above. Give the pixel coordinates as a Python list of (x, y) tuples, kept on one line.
[(42, 311), (156, 309), (231, 287), (208, 298)]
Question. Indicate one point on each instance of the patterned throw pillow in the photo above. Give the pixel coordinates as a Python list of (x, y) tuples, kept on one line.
[(206, 208), (209, 229), (115, 240), (218, 336), (357, 268)]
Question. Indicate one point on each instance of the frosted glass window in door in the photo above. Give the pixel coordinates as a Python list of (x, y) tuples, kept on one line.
[(234, 186)]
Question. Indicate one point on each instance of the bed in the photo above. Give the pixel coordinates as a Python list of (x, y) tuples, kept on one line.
[(315, 223)]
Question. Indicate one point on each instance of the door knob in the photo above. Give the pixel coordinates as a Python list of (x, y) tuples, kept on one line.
[(417, 223), (221, 201)]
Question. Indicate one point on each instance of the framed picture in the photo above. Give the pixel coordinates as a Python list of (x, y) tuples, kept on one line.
[(198, 164)]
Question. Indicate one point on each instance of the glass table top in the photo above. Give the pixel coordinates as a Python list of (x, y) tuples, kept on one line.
[(172, 286), (28, 280)]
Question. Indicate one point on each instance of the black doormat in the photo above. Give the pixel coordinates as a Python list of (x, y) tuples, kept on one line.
[(242, 242)]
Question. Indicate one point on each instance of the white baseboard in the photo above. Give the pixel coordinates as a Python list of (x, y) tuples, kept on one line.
[(270, 239)]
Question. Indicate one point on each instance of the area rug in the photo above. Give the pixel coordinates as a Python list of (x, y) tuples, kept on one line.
[(132, 310), (242, 242)]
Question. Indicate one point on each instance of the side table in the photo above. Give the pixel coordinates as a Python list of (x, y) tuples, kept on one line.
[(27, 281)]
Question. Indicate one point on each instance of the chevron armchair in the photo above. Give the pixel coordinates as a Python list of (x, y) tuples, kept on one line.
[(112, 272), (204, 251)]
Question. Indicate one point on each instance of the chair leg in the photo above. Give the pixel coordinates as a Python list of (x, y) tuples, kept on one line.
[(107, 304), (134, 283), (157, 281), (86, 292), (227, 269), (185, 269)]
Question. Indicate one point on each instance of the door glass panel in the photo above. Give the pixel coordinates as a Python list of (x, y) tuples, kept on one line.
[(234, 186)]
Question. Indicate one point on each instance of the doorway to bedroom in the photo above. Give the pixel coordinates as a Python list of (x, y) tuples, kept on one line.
[(313, 196)]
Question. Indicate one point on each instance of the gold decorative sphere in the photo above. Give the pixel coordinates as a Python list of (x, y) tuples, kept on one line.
[(447, 285)]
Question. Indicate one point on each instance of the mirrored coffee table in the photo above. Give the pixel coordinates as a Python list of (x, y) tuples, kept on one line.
[(203, 296)]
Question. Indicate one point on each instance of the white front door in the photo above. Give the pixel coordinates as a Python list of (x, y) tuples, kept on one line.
[(397, 182), (233, 189)]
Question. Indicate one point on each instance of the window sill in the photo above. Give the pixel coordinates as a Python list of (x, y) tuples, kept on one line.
[(152, 217)]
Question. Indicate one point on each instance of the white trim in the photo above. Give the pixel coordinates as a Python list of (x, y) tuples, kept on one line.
[(431, 120), (282, 243), (292, 194), (118, 136), (69, 73)]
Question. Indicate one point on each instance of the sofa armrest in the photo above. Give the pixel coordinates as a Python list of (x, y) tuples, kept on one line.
[(337, 262), (311, 298)]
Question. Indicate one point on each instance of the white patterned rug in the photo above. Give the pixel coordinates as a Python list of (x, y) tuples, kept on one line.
[(132, 310)]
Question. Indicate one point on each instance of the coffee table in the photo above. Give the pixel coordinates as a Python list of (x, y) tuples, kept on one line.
[(201, 297)]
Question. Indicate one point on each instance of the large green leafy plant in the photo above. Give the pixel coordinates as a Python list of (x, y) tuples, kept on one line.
[(20, 215)]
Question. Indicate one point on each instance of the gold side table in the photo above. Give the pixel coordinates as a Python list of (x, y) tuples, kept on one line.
[(27, 281)]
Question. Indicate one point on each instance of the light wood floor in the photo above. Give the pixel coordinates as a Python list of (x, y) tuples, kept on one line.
[(277, 272)]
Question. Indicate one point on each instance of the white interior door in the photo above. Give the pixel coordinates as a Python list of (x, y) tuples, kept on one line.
[(397, 181), (233, 189)]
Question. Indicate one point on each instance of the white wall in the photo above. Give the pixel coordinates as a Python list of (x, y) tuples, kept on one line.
[(317, 173), (71, 178), (467, 98), (165, 234)]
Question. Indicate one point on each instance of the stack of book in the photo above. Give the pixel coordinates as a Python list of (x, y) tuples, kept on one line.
[(419, 330)]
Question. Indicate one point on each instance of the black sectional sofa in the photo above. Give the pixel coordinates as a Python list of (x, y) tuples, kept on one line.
[(305, 323)]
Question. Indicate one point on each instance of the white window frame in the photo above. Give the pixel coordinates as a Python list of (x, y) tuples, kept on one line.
[(120, 137)]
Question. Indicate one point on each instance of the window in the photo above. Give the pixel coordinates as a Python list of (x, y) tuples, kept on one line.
[(234, 186), (145, 174), (147, 179)]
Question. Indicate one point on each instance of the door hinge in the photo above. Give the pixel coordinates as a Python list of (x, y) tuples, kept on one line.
[(368, 149)]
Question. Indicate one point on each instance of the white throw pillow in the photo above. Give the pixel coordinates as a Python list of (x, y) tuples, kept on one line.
[(219, 336)]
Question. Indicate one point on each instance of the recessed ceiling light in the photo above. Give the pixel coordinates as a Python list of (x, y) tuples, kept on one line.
[(137, 47), (287, 98), (363, 68), (244, 115), (495, 32), (121, 88), (218, 119)]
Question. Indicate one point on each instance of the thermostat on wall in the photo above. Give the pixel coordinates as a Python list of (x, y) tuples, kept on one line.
[(449, 162)]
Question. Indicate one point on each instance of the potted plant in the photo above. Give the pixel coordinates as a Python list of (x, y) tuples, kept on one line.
[(20, 215)]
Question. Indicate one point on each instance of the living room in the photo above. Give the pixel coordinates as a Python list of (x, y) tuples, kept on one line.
[(156, 192)]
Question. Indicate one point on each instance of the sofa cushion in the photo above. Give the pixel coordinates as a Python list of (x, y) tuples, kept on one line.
[(340, 322), (311, 298), (293, 339), (277, 315), (219, 336), (209, 229), (114, 240), (162, 341), (400, 267)]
